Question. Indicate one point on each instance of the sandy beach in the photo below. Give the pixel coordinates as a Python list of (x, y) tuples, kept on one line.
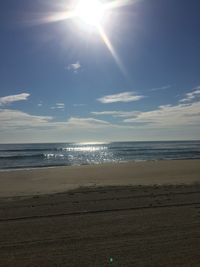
[(61, 179), (128, 214)]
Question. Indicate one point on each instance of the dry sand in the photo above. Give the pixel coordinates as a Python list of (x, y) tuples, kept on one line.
[(61, 179), (126, 225)]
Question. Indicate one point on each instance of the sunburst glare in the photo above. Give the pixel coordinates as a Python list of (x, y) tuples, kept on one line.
[(90, 12), (90, 15)]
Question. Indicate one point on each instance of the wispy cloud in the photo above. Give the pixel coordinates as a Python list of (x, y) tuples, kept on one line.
[(24, 127), (86, 122), (74, 66), (5, 100), (58, 106), (185, 113), (20, 127), (161, 88), (15, 118), (168, 115), (112, 113), (40, 104), (116, 114), (144, 125), (20, 120), (121, 97), (191, 96)]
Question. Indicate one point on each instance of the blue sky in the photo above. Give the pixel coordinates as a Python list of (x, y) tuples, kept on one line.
[(61, 82)]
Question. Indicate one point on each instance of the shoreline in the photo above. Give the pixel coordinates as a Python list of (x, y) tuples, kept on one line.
[(29, 168), (61, 179)]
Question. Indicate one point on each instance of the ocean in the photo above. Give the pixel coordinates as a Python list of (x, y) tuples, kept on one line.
[(15, 156)]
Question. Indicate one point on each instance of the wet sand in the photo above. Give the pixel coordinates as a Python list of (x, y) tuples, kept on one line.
[(142, 224)]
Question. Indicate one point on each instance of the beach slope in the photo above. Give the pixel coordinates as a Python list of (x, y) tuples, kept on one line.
[(61, 179), (139, 214)]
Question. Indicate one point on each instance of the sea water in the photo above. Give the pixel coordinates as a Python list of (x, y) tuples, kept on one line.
[(13, 156)]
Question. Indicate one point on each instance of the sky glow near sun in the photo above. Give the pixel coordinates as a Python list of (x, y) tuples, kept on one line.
[(92, 16), (90, 12)]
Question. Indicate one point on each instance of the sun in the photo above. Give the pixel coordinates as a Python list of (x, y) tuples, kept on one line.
[(90, 12)]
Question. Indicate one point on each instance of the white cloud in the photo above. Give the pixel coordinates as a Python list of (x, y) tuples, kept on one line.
[(116, 114), (13, 98), (191, 96), (167, 115), (21, 120), (17, 126), (15, 118), (74, 66), (161, 88), (121, 97), (185, 113), (59, 106), (112, 113), (180, 121), (86, 123)]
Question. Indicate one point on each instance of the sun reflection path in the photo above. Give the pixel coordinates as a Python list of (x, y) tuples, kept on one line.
[(85, 148)]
